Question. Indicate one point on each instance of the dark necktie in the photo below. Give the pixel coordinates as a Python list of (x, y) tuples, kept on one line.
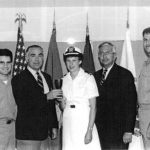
[(40, 81), (103, 76)]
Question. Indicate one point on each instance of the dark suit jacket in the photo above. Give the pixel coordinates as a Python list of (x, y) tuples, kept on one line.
[(35, 114), (116, 105)]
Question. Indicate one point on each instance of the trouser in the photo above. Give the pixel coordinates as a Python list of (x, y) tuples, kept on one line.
[(144, 120), (7, 135), (109, 142), (55, 144), (28, 145), (46, 144)]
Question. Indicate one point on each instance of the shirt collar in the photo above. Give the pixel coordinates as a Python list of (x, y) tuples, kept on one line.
[(6, 81), (33, 72), (108, 69), (81, 71)]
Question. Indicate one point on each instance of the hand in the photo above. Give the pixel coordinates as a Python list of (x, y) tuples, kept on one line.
[(137, 132), (54, 133), (127, 137), (148, 132), (88, 137), (62, 103), (56, 93)]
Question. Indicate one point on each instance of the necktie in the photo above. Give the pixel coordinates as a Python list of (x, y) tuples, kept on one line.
[(103, 76), (40, 81)]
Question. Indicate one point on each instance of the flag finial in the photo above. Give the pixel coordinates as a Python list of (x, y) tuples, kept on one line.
[(21, 17)]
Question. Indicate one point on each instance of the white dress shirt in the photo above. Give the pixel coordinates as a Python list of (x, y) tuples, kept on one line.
[(34, 73), (108, 70)]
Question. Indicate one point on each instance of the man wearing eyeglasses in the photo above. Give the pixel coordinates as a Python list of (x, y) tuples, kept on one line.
[(116, 105)]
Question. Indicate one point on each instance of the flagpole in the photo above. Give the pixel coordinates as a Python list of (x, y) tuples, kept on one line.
[(128, 18), (87, 27), (54, 24)]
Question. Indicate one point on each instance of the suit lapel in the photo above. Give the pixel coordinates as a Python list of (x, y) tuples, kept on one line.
[(112, 73), (31, 78)]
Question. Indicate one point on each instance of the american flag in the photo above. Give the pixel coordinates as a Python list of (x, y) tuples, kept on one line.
[(19, 60)]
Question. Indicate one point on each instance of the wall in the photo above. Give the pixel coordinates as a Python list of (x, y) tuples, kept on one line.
[(137, 47), (105, 23)]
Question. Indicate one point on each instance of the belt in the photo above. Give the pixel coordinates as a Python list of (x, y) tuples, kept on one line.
[(72, 106), (144, 106), (9, 121)]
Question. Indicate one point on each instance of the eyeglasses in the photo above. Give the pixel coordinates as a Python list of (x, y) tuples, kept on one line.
[(106, 53)]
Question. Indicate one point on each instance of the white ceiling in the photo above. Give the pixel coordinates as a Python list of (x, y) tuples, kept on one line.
[(71, 3)]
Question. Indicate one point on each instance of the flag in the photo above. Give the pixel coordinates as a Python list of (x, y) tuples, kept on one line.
[(53, 64), (88, 62), (19, 60), (54, 69), (127, 59)]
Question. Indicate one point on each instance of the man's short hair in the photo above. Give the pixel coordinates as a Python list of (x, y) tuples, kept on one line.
[(6, 52), (146, 31), (107, 43), (33, 46)]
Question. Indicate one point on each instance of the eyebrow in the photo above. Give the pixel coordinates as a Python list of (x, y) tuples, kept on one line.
[(5, 62)]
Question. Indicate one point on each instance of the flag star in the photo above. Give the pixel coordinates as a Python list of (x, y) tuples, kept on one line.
[(20, 67), (20, 40), (22, 54), (18, 53), (18, 46), (17, 60), (16, 66), (14, 73)]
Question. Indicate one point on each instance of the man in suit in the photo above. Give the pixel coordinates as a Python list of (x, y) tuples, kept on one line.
[(34, 96), (116, 105)]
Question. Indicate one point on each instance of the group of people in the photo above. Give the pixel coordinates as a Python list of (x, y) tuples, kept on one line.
[(99, 110)]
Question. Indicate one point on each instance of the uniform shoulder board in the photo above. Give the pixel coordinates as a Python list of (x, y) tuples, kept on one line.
[(65, 75)]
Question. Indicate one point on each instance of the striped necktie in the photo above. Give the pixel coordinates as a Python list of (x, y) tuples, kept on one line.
[(40, 81), (103, 77)]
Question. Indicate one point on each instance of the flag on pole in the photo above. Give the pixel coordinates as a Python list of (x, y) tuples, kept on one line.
[(19, 60), (88, 62), (127, 59), (53, 64), (54, 69)]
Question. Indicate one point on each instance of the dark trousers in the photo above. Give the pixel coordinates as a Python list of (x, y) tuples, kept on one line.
[(111, 142)]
